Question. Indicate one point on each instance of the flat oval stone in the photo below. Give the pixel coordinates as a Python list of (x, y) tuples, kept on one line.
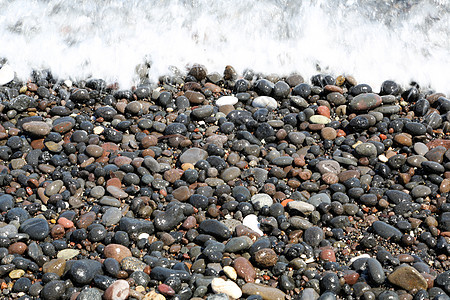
[(376, 271), (266, 292), (193, 155), (68, 253), (265, 102), (387, 231), (119, 290), (365, 101), (228, 287), (319, 119), (420, 191), (366, 149), (54, 187), (215, 228), (244, 269), (329, 166), (37, 128), (226, 100), (116, 192)]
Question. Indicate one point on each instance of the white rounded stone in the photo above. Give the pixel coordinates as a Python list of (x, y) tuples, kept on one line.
[(265, 102), (227, 287), (226, 100)]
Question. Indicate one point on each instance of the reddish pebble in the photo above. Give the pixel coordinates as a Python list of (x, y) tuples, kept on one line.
[(119, 290), (166, 290), (244, 269), (66, 223), (324, 111), (114, 182), (351, 277), (328, 255), (116, 251), (17, 248)]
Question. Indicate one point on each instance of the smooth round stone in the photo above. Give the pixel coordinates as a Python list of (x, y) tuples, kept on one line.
[(329, 166), (244, 269), (388, 109), (22, 285), (116, 251), (226, 100), (230, 174), (415, 128), (56, 266), (215, 228), (403, 139), (296, 138), (365, 101), (265, 102), (319, 119), (112, 216), (134, 107), (94, 150), (228, 287), (433, 167), (313, 236), (376, 271), (203, 111), (116, 192), (237, 244), (37, 128), (53, 290), (330, 282), (64, 124), (68, 253), (193, 155), (54, 187), (6, 202), (387, 231), (301, 206), (132, 264), (319, 198), (36, 228), (194, 97), (261, 200), (420, 148), (420, 191), (97, 192), (408, 278), (266, 257), (83, 271), (299, 223), (366, 149), (328, 133), (416, 160), (283, 161), (119, 290), (21, 102), (90, 294)]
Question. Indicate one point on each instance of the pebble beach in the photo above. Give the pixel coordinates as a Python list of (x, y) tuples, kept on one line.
[(221, 185)]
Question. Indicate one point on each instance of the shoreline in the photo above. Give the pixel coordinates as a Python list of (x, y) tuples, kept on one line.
[(224, 186)]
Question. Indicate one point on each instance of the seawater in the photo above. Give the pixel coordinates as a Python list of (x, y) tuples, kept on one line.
[(372, 40)]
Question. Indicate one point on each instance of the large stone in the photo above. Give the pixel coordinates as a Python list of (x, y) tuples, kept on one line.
[(365, 101), (408, 278)]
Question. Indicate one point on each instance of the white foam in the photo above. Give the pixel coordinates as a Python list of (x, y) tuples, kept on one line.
[(371, 40)]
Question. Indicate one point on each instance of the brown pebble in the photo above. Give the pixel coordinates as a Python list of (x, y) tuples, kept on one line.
[(85, 220), (244, 269), (116, 251), (17, 248), (266, 257), (328, 133)]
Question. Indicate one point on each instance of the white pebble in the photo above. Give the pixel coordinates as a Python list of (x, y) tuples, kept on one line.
[(226, 100), (228, 287), (230, 272), (251, 221), (265, 102), (262, 200)]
